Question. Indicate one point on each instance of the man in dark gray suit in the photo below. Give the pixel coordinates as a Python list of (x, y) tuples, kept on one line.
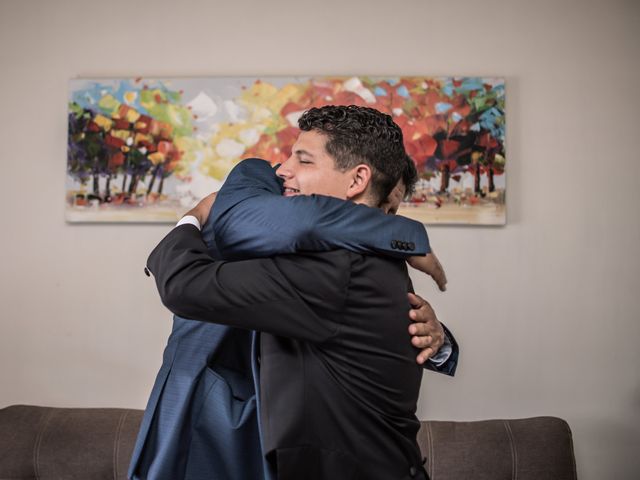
[(201, 414), (339, 387)]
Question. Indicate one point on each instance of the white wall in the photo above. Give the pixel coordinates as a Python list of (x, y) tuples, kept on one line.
[(547, 309)]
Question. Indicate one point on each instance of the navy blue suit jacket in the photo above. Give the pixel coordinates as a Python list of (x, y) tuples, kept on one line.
[(200, 421)]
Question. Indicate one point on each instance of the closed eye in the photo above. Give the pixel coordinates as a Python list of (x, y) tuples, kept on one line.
[(303, 156)]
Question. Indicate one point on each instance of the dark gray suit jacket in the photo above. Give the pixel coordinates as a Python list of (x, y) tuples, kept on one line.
[(338, 377), (200, 419)]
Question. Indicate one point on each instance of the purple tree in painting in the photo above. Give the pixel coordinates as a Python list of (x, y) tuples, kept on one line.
[(87, 156), (98, 155), (77, 162)]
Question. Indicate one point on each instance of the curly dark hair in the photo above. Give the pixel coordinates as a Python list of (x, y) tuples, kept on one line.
[(409, 177), (362, 135)]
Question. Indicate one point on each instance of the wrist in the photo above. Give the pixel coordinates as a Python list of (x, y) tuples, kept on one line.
[(190, 219), (195, 213)]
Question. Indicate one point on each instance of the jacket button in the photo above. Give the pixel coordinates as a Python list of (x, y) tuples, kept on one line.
[(146, 272), (405, 246), (413, 471), (412, 246), (394, 244)]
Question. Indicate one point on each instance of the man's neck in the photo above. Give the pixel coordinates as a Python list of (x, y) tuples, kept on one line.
[(364, 199)]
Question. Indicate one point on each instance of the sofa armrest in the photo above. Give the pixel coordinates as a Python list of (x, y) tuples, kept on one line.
[(66, 443), (526, 449)]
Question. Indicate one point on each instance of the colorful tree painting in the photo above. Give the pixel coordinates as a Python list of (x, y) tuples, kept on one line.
[(131, 138)]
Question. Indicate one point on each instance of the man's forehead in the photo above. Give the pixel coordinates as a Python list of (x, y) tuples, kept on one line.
[(311, 138)]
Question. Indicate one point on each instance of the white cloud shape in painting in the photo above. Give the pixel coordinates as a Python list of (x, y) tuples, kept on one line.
[(249, 136), (261, 114), (203, 106), (355, 85), (206, 130), (293, 118), (198, 186), (229, 148), (201, 185), (236, 112)]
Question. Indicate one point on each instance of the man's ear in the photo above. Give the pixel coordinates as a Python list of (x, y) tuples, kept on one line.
[(360, 180)]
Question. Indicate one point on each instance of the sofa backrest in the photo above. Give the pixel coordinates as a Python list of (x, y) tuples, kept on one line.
[(96, 444)]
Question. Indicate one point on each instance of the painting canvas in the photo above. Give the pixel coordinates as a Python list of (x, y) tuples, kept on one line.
[(146, 150)]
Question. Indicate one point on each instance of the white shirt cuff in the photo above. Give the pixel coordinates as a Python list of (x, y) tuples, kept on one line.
[(189, 219), (443, 354)]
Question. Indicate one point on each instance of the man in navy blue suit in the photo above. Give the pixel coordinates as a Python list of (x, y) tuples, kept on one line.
[(185, 433)]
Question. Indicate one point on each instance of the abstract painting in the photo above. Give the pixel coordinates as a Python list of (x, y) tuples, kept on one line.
[(146, 150)]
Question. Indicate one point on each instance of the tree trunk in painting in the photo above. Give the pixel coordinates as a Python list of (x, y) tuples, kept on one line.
[(96, 185), (107, 193), (446, 174), (492, 186), (96, 177), (125, 165), (133, 185), (153, 179), (161, 185), (476, 172)]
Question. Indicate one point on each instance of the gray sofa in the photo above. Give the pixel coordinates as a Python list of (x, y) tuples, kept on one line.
[(96, 443)]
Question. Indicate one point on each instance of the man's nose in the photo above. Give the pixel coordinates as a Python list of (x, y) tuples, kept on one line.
[(282, 171)]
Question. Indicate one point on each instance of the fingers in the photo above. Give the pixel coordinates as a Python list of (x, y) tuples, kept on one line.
[(415, 300), (421, 311), (443, 278), (427, 351), (429, 333), (437, 272), (421, 342), (425, 355), (426, 331), (423, 329), (430, 265)]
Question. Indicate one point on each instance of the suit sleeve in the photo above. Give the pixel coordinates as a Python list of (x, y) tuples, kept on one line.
[(450, 365), (251, 218), (252, 294)]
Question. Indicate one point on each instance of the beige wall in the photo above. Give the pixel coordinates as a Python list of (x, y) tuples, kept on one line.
[(547, 309)]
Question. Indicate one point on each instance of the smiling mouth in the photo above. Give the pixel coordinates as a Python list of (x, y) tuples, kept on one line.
[(288, 191)]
